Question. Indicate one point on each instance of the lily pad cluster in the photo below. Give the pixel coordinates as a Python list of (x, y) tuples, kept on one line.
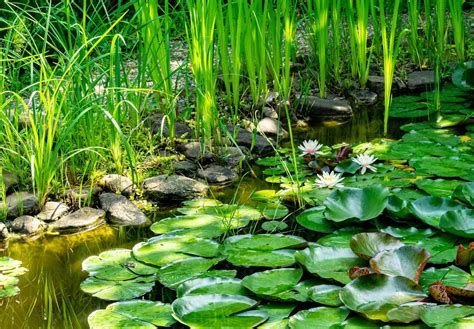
[(10, 270)]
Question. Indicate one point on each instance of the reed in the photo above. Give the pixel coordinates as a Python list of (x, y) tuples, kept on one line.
[(336, 12), (413, 18), (440, 13), (457, 23)]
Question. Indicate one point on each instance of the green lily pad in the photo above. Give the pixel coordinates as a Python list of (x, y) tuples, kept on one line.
[(329, 262), (442, 136), (201, 203), (273, 210), (232, 211), (272, 282), (441, 247), (340, 238), (465, 193), (462, 76), (118, 290), (204, 286), (8, 286), (273, 225), (452, 166), (277, 315), (318, 317), (116, 264), (408, 312), (313, 219), (325, 294), (362, 204), (374, 295), (430, 209), (408, 234), (438, 187), (367, 245), (132, 314), (164, 249), (179, 271), (217, 311), (459, 222), (406, 261), (442, 315)]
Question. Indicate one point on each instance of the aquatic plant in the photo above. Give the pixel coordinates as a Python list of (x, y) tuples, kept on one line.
[(329, 180), (413, 16), (310, 147), (457, 23), (365, 161)]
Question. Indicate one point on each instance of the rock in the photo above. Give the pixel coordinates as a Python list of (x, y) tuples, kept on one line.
[(9, 180), (81, 220), (4, 234), (82, 196), (272, 127), (421, 80), (117, 184), (21, 203), (364, 96), (319, 109), (185, 168), (194, 151), (269, 112), (232, 155), (121, 211), (260, 146), (52, 211), (376, 84), (160, 126), (28, 225), (216, 174), (171, 189)]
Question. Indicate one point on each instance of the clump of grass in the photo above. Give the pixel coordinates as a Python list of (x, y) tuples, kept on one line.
[(457, 23)]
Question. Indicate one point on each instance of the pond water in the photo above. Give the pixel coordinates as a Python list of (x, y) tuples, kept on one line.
[(50, 296)]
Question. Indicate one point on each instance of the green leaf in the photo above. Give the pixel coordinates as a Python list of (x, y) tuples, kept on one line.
[(438, 187), (205, 286), (363, 204), (319, 317), (367, 245), (272, 282), (217, 311), (118, 290), (430, 209), (462, 76), (442, 315), (325, 294), (459, 222), (313, 219), (179, 271), (375, 295), (465, 193), (274, 225)]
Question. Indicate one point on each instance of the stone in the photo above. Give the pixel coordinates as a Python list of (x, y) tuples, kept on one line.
[(194, 151), (173, 188), (364, 96), (53, 211), (269, 112), (185, 167), (319, 109), (261, 145), (80, 196), (376, 84), (421, 80), (160, 126), (216, 174), (233, 156), (21, 203), (27, 225), (121, 211), (81, 220), (4, 234), (272, 127), (117, 184), (9, 180)]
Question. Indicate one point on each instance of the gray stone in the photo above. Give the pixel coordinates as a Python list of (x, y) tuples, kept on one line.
[(216, 174), (160, 126), (364, 96), (81, 220), (117, 183), (260, 146), (52, 211), (194, 151), (272, 127), (269, 112), (4, 234), (28, 225), (9, 180), (172, 189), (421, 80), (21, 203), (232, 155), (121, 211), (319, 109), (82, 196), (376, 84), (185, 167)]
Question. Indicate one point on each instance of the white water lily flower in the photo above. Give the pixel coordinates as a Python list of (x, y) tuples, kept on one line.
[(310, 147), (365, 161), (329, 180)]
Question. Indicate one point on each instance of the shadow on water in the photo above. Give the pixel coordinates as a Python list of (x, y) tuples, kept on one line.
[(50, 296)]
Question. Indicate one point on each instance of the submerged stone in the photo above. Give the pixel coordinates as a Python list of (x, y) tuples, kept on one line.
[(81, 220), (21, 203), (28, 225), (53, 211), (216, 174), (117, 183), (173, 188), (4, 234), (121, 211), (421, 80), (319, 109)]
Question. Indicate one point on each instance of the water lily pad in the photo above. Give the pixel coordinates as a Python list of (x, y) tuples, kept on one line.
[(441, 247), (406, 261), (442, 315), (329, 262), (430, 209), (313, 219), (318, 317), (8, 286), (116, 264), (325, 294), (408, 312), (272, 282), (462, 76), (263, 242), (442, 136), (201, 203), (217, 311), (277, 315), (375, 295), (465, 193), (164, 249), (272, 211), (362, 204), (273, 225), (452, 166), (132, 314), (118, 290), (459, 222), (367, 245), (438, 187), (179, 271), (408, 234), (204, 286), (340, 238), (232, 211)]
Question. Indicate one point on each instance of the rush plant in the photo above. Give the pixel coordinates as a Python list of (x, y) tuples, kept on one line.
[(457, 23), (319, 13)]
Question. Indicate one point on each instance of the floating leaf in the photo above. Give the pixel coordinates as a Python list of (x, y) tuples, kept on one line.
[(408, 312), (205, 286), (430, 209), (313, 219), (362, 204), (274, 225), (465, 193), (272, 282), (118, 290), (319, 317), (272, 210), (367, 245), (438, 187), (277, 315), (326, 294), (441, 315), (177, 272), (8, 286), (459, 222), (375, 295), (217, 311), (407, 261), (410, 234), (465, 256)]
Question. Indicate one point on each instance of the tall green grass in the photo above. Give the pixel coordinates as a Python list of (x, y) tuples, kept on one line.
[(319, 13), (413, 18), (457, 23)]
